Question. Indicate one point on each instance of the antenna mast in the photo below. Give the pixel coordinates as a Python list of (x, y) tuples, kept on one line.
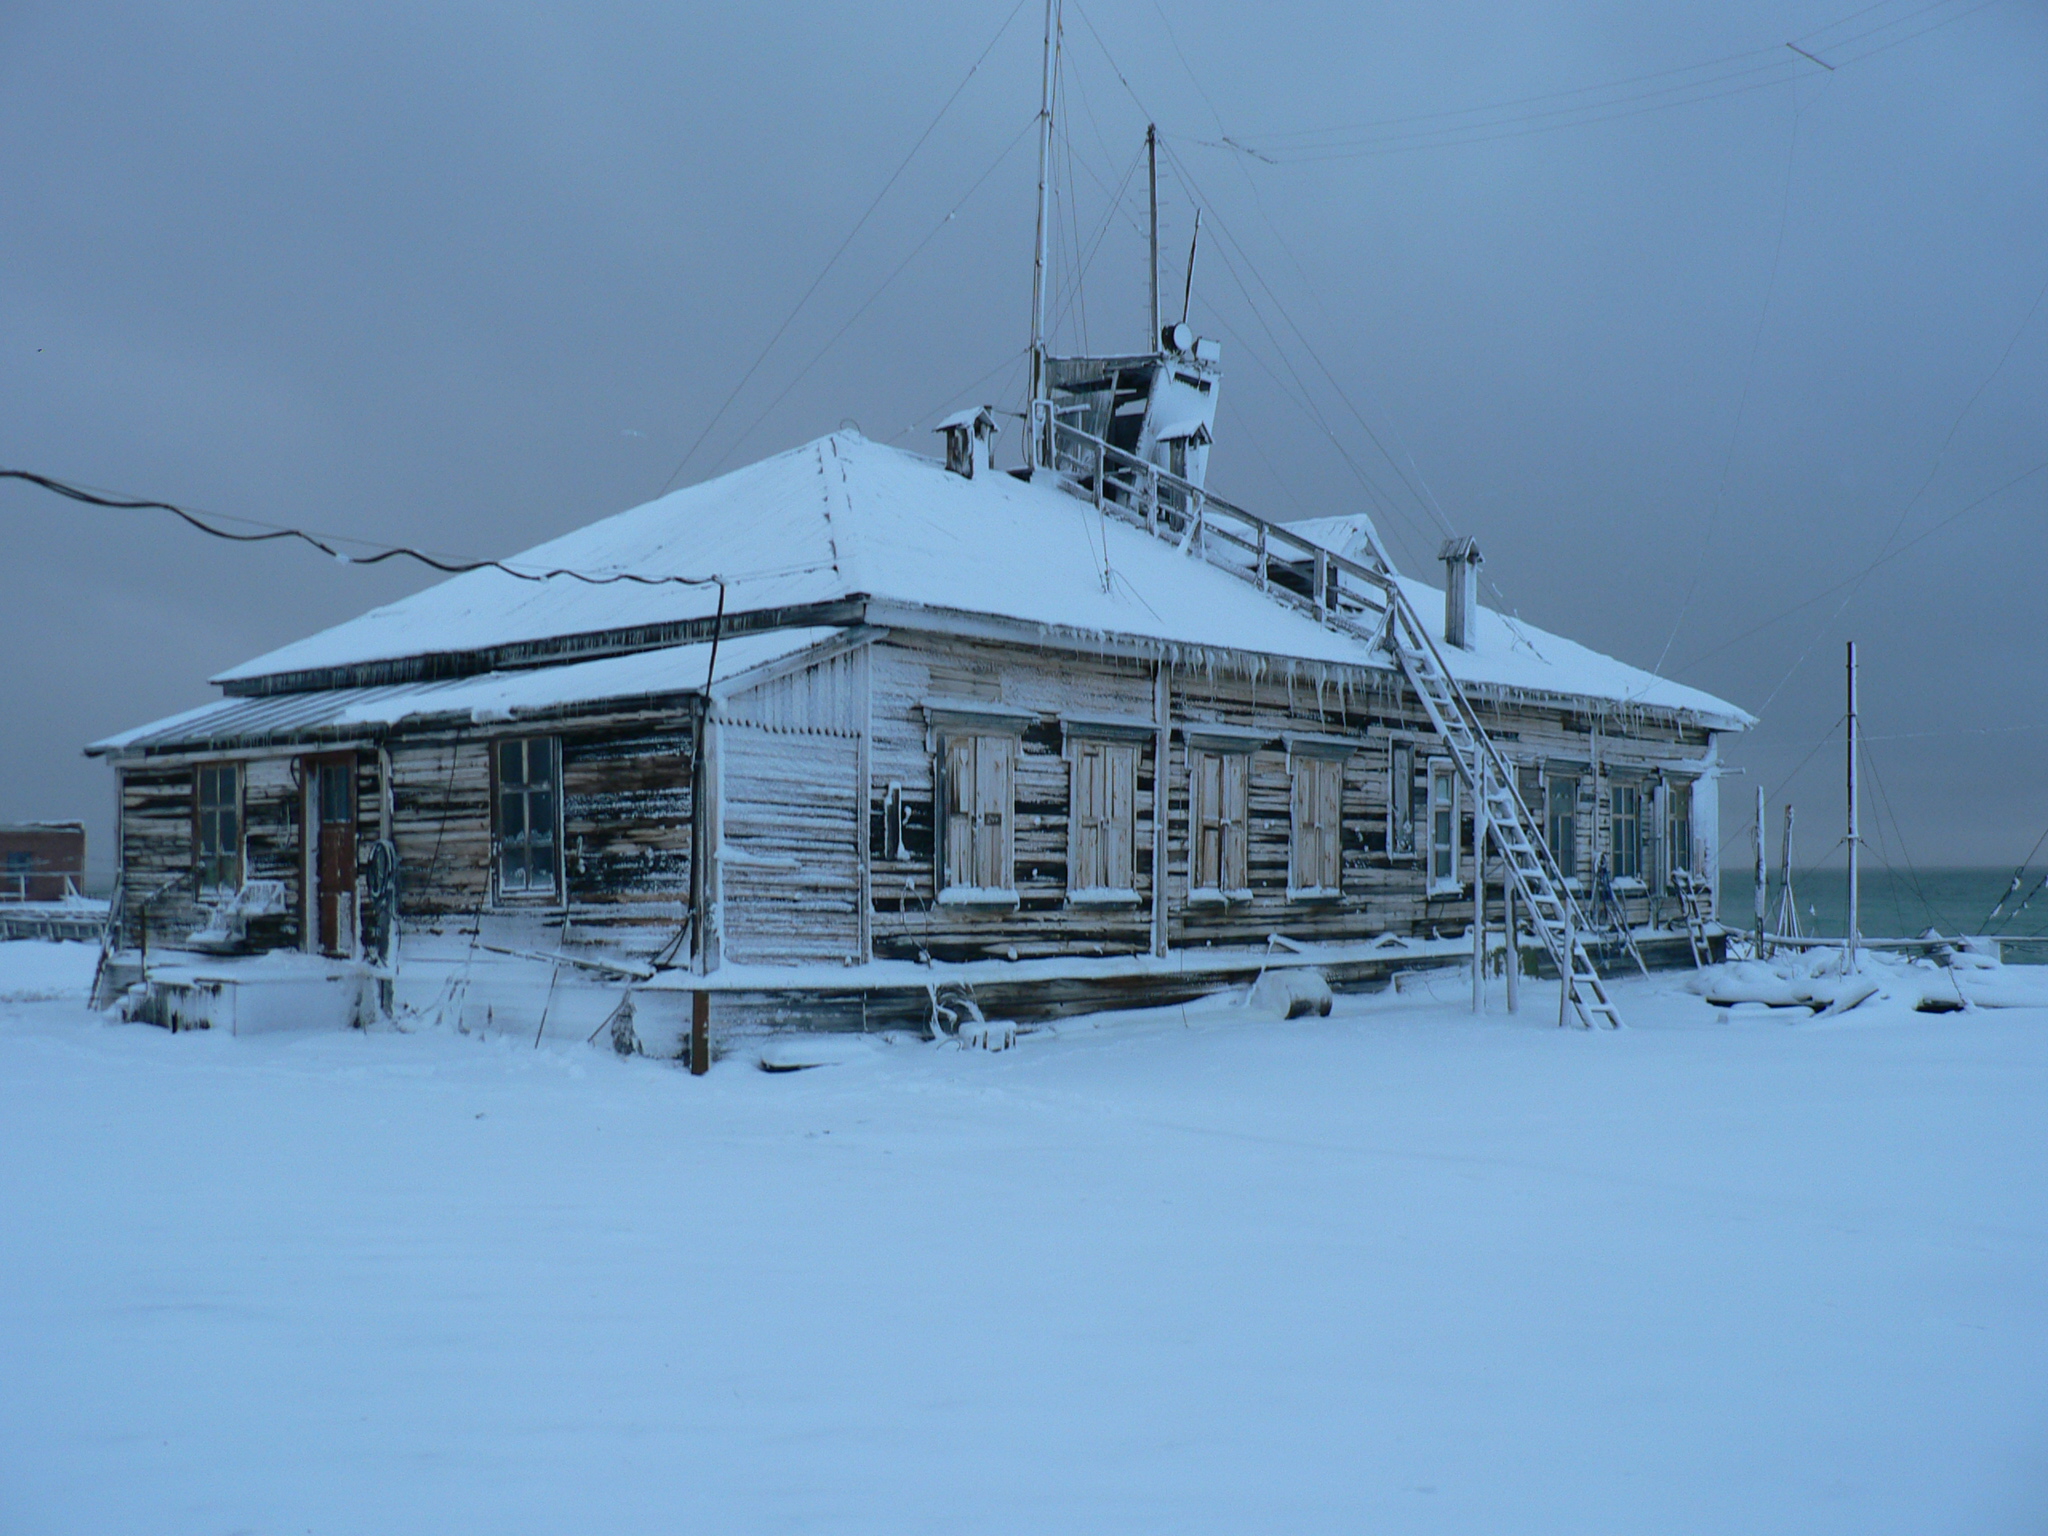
[(1152, 174), (1187, 297), (1039, 382)]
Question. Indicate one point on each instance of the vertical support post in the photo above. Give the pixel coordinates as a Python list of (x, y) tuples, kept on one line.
[(864, 784), (1514, 952), (1264, 555), (1762, 874), (1162, 796), (1322, 581), (1479, 891), (1152, 498), (700, 1033), (1854, 839), (1564, 971)]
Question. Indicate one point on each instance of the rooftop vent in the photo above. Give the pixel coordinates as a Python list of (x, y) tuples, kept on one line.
[(970, 439), (1461, 560)]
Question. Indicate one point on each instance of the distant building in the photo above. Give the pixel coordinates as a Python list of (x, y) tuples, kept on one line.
[(41, 860)]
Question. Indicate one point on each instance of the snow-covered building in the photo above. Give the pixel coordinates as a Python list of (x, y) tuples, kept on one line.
[(837, 732), (927, 723)]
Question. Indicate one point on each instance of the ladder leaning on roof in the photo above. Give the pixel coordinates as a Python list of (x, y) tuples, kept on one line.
[(1364, 599)]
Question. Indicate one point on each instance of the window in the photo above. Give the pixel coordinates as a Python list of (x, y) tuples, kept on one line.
[(217, 832), (1561, 821), (1529, 785), (1625, 830), (1104, 817), (1316, 859), (976, 857), (1443, 828), (1218, 823), (1678, 827), (527, 811), (1401, 800)]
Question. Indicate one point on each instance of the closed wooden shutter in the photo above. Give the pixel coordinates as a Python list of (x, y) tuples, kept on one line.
[(1236, 781)]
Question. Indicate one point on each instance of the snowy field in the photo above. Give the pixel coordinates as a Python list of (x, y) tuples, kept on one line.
[(1396, 1270)]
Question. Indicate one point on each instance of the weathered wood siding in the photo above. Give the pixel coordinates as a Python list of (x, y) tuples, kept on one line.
[(158, 854), (789, 863), (627, 786)]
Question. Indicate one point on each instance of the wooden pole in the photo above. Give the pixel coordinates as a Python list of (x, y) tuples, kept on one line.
[(1514, 953), (1479, 895), (1564, 973), (1762, 876), (1038, 266), (1849, 964), (700, 1033)]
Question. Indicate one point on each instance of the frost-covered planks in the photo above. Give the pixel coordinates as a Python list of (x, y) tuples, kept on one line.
[(441, 823), (626, 814), (156, 852), (789, 858)]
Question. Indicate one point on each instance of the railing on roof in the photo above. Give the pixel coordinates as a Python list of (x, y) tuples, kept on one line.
[(1340, 592)]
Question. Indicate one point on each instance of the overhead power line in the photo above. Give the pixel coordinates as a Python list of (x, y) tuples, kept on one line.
[(379, 552)]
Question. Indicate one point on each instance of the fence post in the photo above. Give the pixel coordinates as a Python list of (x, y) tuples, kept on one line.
[(700, 1033)]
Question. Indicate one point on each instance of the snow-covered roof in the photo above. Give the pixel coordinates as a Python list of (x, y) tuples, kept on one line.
[(1508, 653), (492, 696), (844, 517)]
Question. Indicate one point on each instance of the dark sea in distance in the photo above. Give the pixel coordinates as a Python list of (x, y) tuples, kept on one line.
[(1901, 904)]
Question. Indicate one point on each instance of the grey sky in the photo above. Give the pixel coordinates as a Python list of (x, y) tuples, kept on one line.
[(469, 276)]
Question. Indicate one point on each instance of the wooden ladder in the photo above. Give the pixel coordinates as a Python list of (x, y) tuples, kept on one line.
[(1364, 599), (1692, 901)]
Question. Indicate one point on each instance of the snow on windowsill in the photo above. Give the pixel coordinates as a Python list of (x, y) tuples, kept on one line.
[(1103, 896), (1629, 885), (1315, 893), (977, 896), (1446, 888), (1210, 896)]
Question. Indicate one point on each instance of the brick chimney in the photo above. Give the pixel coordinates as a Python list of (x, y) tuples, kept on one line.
[(1461, 560)]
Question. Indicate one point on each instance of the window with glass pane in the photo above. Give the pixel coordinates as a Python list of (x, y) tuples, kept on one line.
[(1105, 795), (1443, 826), (1625, 830), (1561, 822), (1401, 801), (218, 827), (527, 805), (1678, 827)]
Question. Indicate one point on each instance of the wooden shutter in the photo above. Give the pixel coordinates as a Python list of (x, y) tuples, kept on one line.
[(1236, 772), (1330, 822), (991, 812), (1205, 818), (960, 821), (1089, 816), (1120, 819)]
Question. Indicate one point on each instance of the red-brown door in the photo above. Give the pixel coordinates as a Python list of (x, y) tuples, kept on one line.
[(333, 816)]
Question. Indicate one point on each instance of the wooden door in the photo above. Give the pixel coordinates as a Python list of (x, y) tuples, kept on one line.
[(332, 786)]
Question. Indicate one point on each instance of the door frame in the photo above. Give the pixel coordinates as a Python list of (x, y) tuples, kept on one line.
[(311, 822)]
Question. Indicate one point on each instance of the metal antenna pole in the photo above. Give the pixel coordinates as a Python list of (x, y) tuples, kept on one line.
[(1152, 173), (1187, 297), (1854, 838), (1038, 263)]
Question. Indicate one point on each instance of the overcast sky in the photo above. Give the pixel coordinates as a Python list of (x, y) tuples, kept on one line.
[(472, 275)]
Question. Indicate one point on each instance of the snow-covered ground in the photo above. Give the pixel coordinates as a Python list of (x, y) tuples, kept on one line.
[(1394, 1270)]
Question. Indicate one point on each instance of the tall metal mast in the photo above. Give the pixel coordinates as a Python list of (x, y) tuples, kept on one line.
[(1039, 382), (1152, 175)]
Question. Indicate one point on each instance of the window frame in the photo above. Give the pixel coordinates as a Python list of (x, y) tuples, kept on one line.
[(1315, 771), (1564, 851), (206, 814), (1232, 753), (953, 892), (527, 895), (1678, 809), (1118, 748), (1401, 802), (1631, 790), (1443, 771)]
